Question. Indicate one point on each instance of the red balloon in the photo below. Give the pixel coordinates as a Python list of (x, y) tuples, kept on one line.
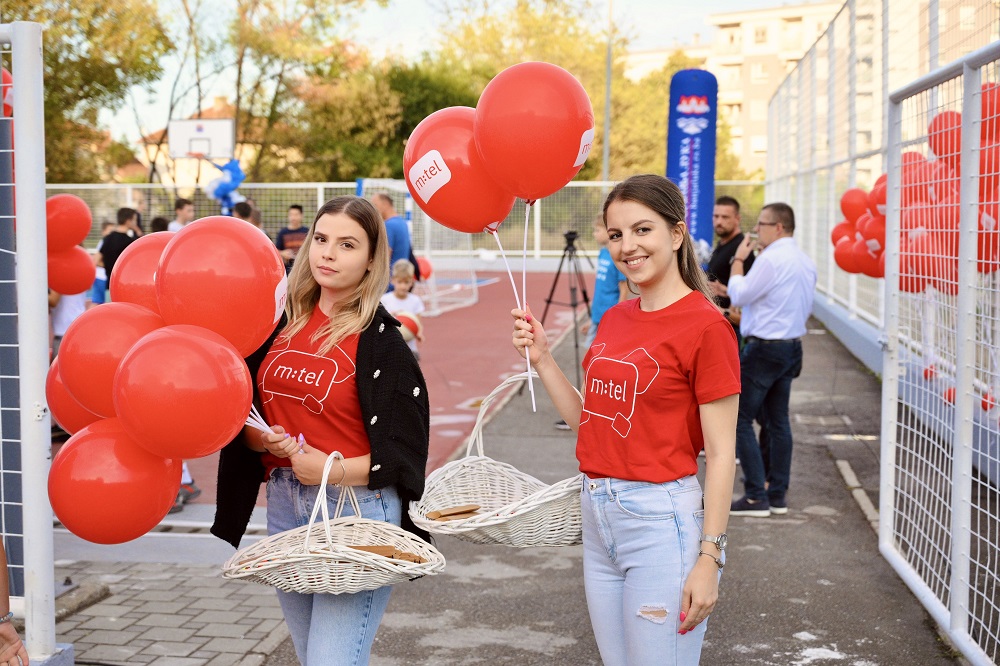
[(68, 221), (987, 245), (988, 402), (425, 267), (854, 203), (944, 135), (843, 255), (7, 93), (95, 344), (876, 200), (861, 223), (916, 183), (842, 230), (990, 109), (875, 231), (67, 412), (949, 395), (944, 181), (190, 407), (866, 258), (918, 216), (447, 177), (71, 271), (881, 180), (989, 170), (132, 281), (947, 213), (225, 275), (106, 489), (534, 128), (910, 158)]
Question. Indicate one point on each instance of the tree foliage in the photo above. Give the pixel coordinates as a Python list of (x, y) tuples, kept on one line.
[(95, 52)]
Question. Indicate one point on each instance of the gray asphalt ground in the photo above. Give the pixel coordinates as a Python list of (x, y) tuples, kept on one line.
[(806, 588)]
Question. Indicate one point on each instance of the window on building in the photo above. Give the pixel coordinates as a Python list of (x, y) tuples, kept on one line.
[(758, 144), (758, 109), (760, 35), (967, 17), (758, 73)]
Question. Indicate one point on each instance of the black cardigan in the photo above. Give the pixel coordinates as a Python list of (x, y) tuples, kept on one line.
[(394, 405)]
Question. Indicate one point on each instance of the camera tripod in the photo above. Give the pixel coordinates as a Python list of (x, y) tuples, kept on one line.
[(571, 259)]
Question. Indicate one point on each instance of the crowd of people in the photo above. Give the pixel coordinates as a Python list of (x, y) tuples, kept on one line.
[(699, 352)]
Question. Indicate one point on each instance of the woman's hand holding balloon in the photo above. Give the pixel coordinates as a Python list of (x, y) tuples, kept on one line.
[(529, 336), (280, 443)]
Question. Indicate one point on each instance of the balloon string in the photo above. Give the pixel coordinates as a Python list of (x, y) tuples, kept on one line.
[(255, 420), (524, 293), (513, 285)]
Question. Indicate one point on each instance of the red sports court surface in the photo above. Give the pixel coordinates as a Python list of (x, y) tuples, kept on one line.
[(466, 354)]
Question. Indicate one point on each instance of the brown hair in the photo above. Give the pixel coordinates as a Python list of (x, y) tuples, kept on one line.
[(665, 199), (356, 313)]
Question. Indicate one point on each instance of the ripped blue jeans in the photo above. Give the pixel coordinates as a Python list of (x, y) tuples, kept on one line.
[(640, 542)]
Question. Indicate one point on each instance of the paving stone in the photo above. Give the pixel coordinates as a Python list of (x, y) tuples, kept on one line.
[(225, 659), (156, 595), (215, 604), (177, 634), (110, 623), (178, 661), (171, 648), (267, 625), (161, 620), (229, 617), (213, 592), (268, 613), (252, 660), (224, 630), (108, 653), (105, 609), (160, 607), (239, 645), (105, 637)]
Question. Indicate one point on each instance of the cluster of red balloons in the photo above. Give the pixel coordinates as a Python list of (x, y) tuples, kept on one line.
[(158, 375), (528, 136), (68, 221), (929, 208), (6, 93)]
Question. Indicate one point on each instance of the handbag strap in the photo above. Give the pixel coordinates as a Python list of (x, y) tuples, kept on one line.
[(320, 506)]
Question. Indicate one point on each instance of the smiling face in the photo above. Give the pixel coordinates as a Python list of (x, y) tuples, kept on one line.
[(643, 244), (339, 256)]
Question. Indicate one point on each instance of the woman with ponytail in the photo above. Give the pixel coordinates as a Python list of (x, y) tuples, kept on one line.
[(662, 384)]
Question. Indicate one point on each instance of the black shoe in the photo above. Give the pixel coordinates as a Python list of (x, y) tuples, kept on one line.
[(562, 425), (188, 492), (751, 508), (779, 507)]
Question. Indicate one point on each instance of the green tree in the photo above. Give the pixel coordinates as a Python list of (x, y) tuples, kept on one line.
[(95, 51)]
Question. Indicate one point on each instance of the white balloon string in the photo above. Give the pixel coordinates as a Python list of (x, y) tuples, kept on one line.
[(255, 420), (524, 294), (510, 274)]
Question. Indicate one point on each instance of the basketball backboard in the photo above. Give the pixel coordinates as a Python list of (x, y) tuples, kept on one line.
[(199, 137)]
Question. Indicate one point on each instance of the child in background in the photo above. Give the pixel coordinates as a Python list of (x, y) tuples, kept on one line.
[(400, 299), (98, 293)]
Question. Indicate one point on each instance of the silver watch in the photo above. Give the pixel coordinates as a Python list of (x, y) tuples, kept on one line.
[(719, 541)]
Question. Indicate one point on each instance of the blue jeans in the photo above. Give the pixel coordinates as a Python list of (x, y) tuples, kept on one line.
[(766, 373), (640, 542), (329, 628)]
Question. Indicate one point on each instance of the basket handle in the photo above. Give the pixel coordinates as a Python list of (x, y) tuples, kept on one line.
[(321, 500), (477, 431)]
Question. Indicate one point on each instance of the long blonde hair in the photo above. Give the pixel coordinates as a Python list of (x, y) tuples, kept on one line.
[(356, 313), (665, 199)]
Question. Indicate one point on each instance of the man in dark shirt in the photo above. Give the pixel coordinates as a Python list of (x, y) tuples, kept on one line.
[(726, 221), (117, 240), (291, 238)]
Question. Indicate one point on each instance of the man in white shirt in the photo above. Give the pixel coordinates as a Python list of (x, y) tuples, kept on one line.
[(776, 298), (184, 212)]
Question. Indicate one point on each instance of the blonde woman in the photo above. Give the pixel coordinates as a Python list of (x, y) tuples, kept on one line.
[(336, 375), (662, 383)]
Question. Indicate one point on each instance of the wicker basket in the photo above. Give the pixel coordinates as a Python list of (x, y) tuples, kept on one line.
[(516, 509), (319, 557)]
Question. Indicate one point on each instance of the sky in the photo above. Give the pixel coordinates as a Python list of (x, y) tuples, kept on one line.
[(407, 28)]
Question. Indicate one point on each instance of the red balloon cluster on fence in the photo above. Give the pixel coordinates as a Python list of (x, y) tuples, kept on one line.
[(930, 212), (528, 136), (158, 374)]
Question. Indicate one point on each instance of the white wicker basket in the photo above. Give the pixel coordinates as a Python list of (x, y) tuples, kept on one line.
[(516, 509), (318, 557)]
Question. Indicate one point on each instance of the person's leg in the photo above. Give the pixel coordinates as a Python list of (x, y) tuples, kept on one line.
[(779, 425), (343, 626), (764, 437), (283, 513), (602, 579), (657, 530), (755, 380)]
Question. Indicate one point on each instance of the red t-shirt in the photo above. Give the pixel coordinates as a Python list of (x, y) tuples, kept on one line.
[(312, 394), (646, 375)]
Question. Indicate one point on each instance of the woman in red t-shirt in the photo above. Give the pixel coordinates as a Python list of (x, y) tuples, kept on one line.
[(662, 384), (337, 376)]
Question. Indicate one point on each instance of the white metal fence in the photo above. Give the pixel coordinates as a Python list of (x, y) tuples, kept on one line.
[(833, 126), (25, 443)]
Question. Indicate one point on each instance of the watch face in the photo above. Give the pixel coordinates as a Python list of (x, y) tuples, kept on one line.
[(722, 541)]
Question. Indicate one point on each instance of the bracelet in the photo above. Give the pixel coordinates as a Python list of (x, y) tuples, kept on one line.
[(735, 259), (717, 560), (7, 618), (344, 470)]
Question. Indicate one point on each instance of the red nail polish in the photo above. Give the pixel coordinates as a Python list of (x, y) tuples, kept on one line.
[(527, 318), (682, 632)]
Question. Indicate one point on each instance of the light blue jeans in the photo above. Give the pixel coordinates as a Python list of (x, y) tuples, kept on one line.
[(329, 629), (640, 542)]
